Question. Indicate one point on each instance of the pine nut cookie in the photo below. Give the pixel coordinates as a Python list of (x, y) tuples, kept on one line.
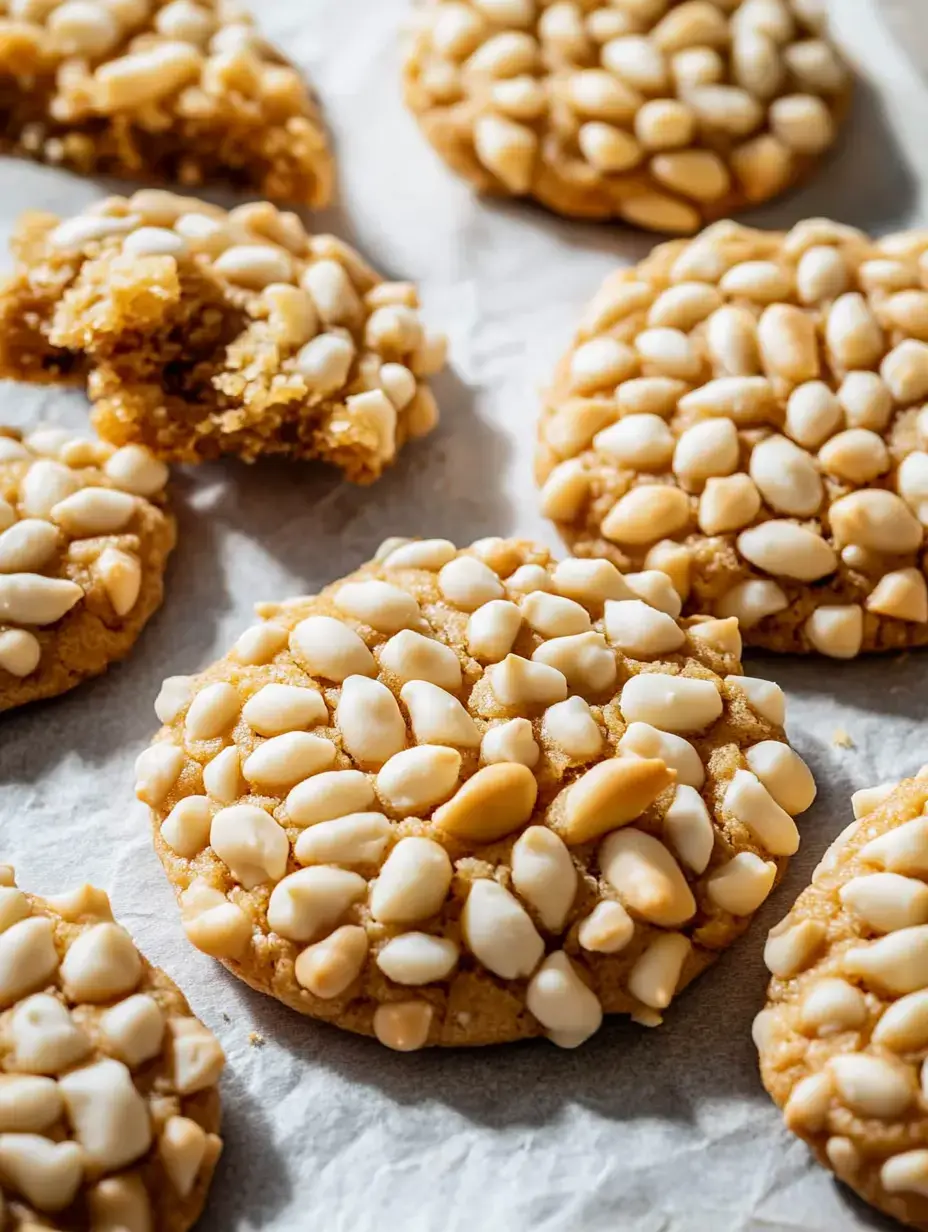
[(109, 1109), (661, 113), (843, 1040), (201, 332), (171, 91), (463, 797), (745, 411), (85, 534)]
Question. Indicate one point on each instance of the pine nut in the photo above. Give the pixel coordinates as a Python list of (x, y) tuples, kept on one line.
[(785, 775), (611, 795), (156, 772), (790, 948), (308, 904), (903, 1026), (727, 504), (589, 581), (750, 803), (897, 962), (741, 885), (643, 740), (671, 703), (333, 794), (499, 932), (646, 877), (507, 149), (656, 974), (763, 696), (641, 442), (495, 801), (410, 656), (562, 1003), (786, 477), (326, 647), (370, 722), (328, 968), (886, 901), (250, 843), (788, 550), (645, 514), (404, 1025), (279, 708), (832, 1006), (688, 828), (871, 1087), (511, 741), (902, 594)]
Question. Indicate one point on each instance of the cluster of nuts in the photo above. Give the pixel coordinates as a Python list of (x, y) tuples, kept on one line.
[(76, 519), (746, 409), (458, 783), (107, 1098), (843, 1041), (662, 113), (191, 62), (323, 333)]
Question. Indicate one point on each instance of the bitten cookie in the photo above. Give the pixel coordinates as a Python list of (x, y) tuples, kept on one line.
[(85, 534), (202, 332), (664, 114), (745, 411), (843, 1039), (463, 797), (109, 1109), (160, 90)]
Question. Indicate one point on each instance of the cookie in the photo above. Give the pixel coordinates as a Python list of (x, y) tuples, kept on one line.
[(744, 410), (85, 534), (201, 332), (109, 1110), (664, 115), (160, 90), (464, 797), (843, 1039)]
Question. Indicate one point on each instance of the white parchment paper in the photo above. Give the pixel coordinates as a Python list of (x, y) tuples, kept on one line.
[(639, 1131)]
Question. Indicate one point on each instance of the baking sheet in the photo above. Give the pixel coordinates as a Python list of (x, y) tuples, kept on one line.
[(644, 1131)]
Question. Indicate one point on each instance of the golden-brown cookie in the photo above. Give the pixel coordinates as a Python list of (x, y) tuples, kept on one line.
[(109, 1108), (663, 113), (177, 91), (463, 797), (201, 332), (744, 410), (85, 534), (843, 1039)]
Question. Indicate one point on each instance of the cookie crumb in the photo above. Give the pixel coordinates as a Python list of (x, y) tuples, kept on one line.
[(841, 739), (256, 1039)]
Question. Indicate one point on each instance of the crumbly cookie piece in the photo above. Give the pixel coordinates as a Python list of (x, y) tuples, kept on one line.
[(85, 534), (662, 113), (744, 410), (163, 90), (843, 1040), (463, 797), (109, 1109), (201, 332)]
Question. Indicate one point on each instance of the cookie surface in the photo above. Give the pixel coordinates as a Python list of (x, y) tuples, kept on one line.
[(201, 332), (468, 797), (173, 91), (745, 410), (663, 114), (109, 1109), (843, 1039), (85, 534)]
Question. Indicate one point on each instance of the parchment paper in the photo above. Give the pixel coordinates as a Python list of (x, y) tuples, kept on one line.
[(643, 1131)]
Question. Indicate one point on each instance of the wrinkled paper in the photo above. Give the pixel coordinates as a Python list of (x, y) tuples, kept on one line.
[(638, 1130)]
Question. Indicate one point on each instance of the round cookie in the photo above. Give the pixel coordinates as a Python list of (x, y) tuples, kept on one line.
[(663, 114), (744, 410), (84, 538), (464, 797), (843, 1040), (109, 1110)]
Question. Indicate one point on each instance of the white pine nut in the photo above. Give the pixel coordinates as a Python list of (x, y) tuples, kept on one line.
[(357, 838), (410, 656), (413, 882), (866, 400), (764, 697), (791, 947), (727, 504), (335, 793), (641, 631), (250, 843), (325, 362), (749, 801), (870, 1086), (429, 554), (912, 484), (752, 601), (607, 929), (785, 775), (562, 1003), (656, 974), (903, 1026), (645, 514), (326, 647), (741, 885), (886, 901), (643, 740), (222, 777), (640, 442), (787, 550), (656, 587), (688, 827), (584, 661), (279, 708), (897, 962), (589, 581), (156, 772), (731, 340), (786, 477), (822, 274), (670, 703), (467, 583), (307, 904), (48, 1174), (370, 722), (499, 932), (403, 1025), (543, 874), (186, 827), (706, 449), (511, 741), (283, 760), (212, 711), (905, 370), (853, 333), (20, 652), (902, 595), (570, 726), (332, 292), (328, 968), (143, 77), (417, 958), (831, 1006), (806, 1110), (134, 469), (27, 546), (906, 1173), (802, 122), (413, 780), (108, 1115), (518, 683), (507, 149)]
